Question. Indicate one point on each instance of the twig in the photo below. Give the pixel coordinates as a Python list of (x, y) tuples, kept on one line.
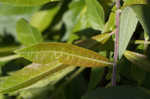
[(116, 43)]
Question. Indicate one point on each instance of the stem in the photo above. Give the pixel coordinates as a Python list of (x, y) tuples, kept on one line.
[(116, 43)]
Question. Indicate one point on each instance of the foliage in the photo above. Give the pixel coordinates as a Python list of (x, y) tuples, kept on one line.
[(64, 49)]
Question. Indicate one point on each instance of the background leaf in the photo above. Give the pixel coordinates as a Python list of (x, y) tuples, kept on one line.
[(142, 13), (28, 76), (26, 2), (95, 14), (128, 23), (27, 34), (140, 60), (43, 18), (66, 53)]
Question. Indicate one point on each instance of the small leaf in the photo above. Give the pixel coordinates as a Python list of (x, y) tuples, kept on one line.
[(66, 53), (138, 59), (128, 23), (26, 2), (95, 13), (28, 76), (117, 93), (133, 2), (6, 9), (143, 15), (43, 18), (27, 34), (94, 81)]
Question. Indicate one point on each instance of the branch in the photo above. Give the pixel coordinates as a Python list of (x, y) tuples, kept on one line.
[(116, 43)]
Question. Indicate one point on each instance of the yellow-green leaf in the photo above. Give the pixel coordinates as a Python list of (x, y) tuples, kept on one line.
[(26, 2), (28, 76), (138, 59), (43, 18), (45, 53), (133, 2), (27, 34)]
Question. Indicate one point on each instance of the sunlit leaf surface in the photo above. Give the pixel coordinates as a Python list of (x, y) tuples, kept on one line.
[(66, 53)]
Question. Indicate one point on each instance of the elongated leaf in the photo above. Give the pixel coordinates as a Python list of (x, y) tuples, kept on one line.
[(13, 10), (83, 14), (28, 76), (128, 24), (94, 81), (138, 59), (66, 53), (43, 18), (143, 15), (27, 34), (43, 87), (133, 2), (8, 58), (26, 2), (118, 93), (95, 14)]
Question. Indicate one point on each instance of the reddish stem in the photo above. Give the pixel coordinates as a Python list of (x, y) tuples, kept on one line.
[(114, 74)]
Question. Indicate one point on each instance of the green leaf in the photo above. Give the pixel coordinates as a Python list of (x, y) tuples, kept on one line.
[(8, 58), (128, 23), (143, 15), (118, 93), (27, 34), (8, 23), (43, 18), (75, 18), (95, 77), (6, 9), (140, 60), (133, 2), (26, 2), (110, 25), (81, 16), (28, 76), (44, 87), (66, 53), (95, 13)]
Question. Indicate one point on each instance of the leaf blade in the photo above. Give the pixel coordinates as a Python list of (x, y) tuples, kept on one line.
[(27, 34), (26, 2), (127, 27), (65, 53), (28, 76)]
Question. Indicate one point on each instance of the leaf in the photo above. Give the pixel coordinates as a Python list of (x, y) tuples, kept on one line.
[(8, 23), (95, 77), (143, 15), (6, 9), (117, 93), (133, 2), (80, 17), (110, 25), (8, 58), (66, 53), (128, 23), (28, 76), (43, 18), (75, 18), (43, 87), (138, 59), (26, 2), (7, 49), (95, 13), (27, 34)]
